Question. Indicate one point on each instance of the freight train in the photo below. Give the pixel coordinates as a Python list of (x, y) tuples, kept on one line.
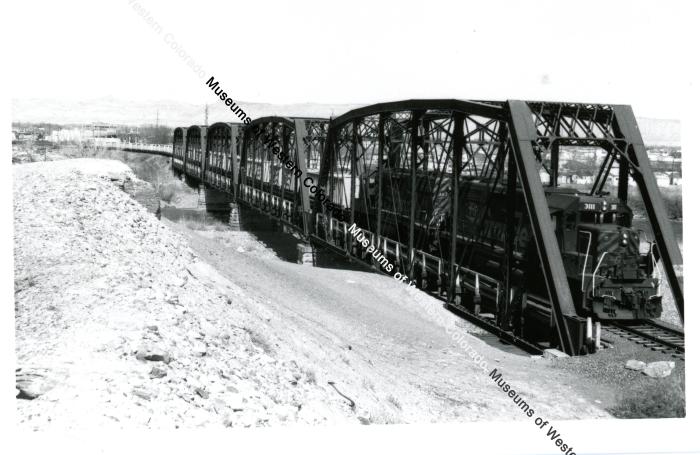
[(491, 236), (610, 278)]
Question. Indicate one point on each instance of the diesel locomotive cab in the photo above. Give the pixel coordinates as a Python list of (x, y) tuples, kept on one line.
[(614, 278)]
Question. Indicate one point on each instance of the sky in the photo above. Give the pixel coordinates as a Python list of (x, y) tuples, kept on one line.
[(353, 52)]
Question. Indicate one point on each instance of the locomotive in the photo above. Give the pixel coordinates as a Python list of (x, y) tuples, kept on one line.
[(610, 278), (608, 275)]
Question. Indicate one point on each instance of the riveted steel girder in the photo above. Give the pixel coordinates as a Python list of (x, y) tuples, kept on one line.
[(643, 175), (523, 136)]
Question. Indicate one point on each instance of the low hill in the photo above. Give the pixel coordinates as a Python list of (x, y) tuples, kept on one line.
[(175, 113)]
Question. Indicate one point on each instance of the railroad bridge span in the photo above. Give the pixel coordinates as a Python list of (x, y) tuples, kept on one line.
[(406, 174)]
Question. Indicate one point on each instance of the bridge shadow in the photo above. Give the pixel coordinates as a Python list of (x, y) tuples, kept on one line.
[(330, 260), (495, 342), (268, 232), (285, 243), (214, 212)]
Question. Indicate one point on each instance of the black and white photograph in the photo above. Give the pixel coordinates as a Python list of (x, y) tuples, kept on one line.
[(350, 227)]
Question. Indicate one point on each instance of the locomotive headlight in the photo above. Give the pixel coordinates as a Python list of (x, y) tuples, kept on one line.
[(624, 239), (605, 205)]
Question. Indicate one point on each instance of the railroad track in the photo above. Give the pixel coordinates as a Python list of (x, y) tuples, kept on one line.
[(654, 335)]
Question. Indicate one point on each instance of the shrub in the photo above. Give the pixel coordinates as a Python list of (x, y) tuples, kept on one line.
[(658, 399), (674, 204), (672, 198), (166, 192)]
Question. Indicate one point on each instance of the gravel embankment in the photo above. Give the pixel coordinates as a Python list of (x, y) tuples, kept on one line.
[(362, 331), (119, 324)]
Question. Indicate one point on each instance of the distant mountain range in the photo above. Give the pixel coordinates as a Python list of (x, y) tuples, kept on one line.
[(172, 113), (175, 113)]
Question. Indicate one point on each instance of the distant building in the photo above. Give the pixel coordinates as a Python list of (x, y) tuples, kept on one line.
[(582, 179), (95, 133), (26, 136), (104, 141)]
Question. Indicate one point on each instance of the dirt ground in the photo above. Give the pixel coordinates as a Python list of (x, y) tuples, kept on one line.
[(352, 323), (123, 320), (360, 330)]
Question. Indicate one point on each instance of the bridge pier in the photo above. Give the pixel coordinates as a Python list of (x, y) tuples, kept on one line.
[(306, 254), (213, 200), (201, 196), (234, 217)]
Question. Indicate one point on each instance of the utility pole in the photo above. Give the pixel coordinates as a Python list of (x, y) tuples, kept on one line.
[(673, 168), (206, 115)]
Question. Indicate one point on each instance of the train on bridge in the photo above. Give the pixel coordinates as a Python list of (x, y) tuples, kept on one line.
[(464, 198)]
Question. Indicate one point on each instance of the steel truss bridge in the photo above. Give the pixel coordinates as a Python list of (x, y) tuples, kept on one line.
[(397, 171)]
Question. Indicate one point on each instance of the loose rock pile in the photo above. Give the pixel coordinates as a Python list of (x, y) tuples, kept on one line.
[(660, 369), (144, 193), (119, 324)]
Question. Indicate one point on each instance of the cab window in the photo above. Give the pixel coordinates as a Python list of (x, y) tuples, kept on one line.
[(588, 217)]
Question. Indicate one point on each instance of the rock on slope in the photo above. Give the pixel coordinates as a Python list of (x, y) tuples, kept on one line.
[(119, 324)]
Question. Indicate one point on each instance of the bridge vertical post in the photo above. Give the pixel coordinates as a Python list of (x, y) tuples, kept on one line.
[(185, 149), (623, 180), (511, 195), (273, 163), (172, 157), (415, 118), (554, 164), (380, 172), (285, 135), (671, 256), (203, 152), (554, 151), (353, 170), (260, 152), (523, 134), (300, 133), (235, 165), (243, 163), (268, 164), (325, 180), (458, 144)]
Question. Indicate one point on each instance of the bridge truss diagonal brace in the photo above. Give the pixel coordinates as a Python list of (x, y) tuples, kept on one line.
[(523, 133), (653, 203), (300, 133)]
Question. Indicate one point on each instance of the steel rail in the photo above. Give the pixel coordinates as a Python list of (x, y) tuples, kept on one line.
[(653, 334)]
